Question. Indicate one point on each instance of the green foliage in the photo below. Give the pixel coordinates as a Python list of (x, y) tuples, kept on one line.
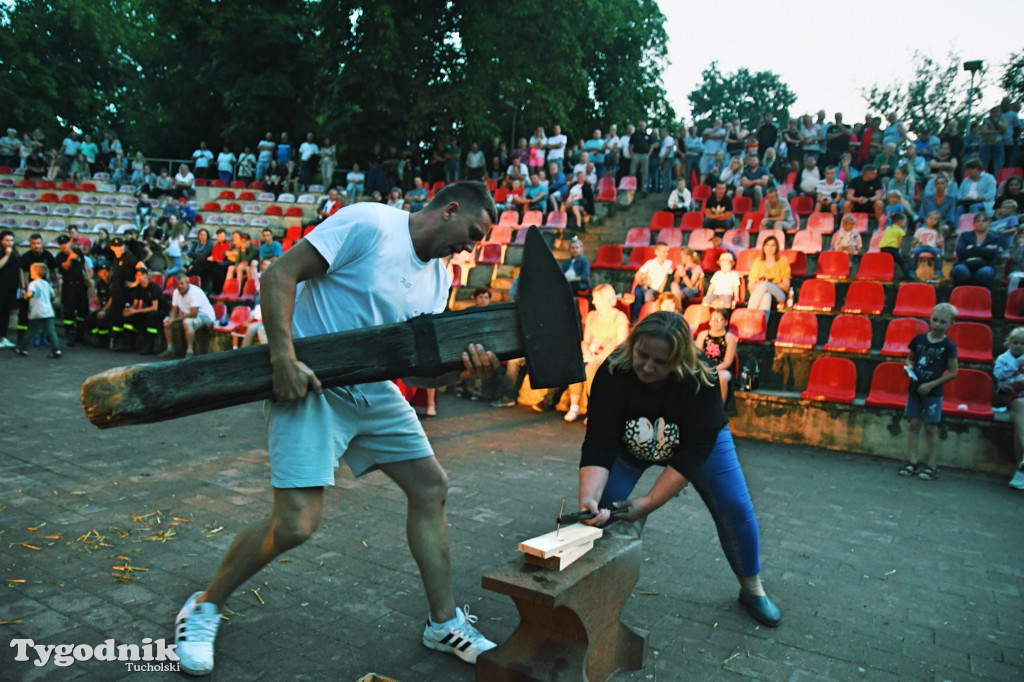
[(937, 94), (1012, 80), (743, 95)]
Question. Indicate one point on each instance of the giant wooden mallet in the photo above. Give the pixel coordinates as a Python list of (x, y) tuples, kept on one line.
[(543, 326)]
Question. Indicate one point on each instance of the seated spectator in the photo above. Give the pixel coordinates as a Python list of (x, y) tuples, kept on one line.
[(273, 177), (558, 186), (1009, 374), (731, 178), (605, 329), (164, 184), (534, 197), (716, 168), (943, 201), (241, 256), (1011, 188), (777, 213), (895, 202), (679, 198), (769, 277), (916, 168), (943, 162), (219, 261), (976, 254), (78, 240), (864, 194), (903, 182), (1016, 261), (580, 200), (892, 237), (270, 250), (724, 288), (719, 346), (689, 276), (576, 268), (977, 191), (200, 254), (774, 165), (145, 306), (810, 176), (254, 332), (846, 172), (36, 166), (847, 239), (1005, 223), (191, 309), (829, 193), (291, 179), (718, 210), (928, 239), (184, 183), (417, 195), (668, 302), (755, 180), (355, 186), (118, 169), (656, 273), (888, 161), (146, 184), (330, 204)]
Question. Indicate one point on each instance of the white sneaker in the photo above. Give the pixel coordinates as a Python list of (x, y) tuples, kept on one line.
[(1018, 480), (195, 630), (572, 414), (6, 343), (461, 639)]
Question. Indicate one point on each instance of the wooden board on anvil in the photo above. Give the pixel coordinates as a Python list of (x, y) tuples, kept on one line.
[(546, 546), (562, 559)]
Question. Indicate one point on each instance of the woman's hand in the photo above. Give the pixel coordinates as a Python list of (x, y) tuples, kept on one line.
[(637, 508), (601, 516)]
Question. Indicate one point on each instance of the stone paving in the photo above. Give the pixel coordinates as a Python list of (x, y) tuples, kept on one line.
[(879, 577)]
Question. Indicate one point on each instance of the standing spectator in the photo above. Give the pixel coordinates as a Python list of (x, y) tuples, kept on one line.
[(693, 146), (735, 139), (74, 289), (611, 152), (265, 154), (475, 163), (328, 162), (714, 142), (538, 144), (284, 150), (1009, 374), (453, 161), (895, 133), (355, 187), (118, 169), (595, 149), (202, 159), (226, 165), (90, 151), (246, 170), (308, 152), (767, 134), (273, 177), (837, 140), (69, 150), (139, 170), (794, 145), (991, 152), (556, 145), (640, 152), (10, 282), (666, 160), (1009, 116), (10, 149), (811, 137)]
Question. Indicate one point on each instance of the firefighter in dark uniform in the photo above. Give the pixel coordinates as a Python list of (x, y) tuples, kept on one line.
[(122, 273), (145, 313), (35, 254), (74, 289), (103, 317)]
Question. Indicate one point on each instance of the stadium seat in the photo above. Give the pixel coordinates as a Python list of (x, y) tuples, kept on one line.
[(286, 198), (832, 380), (672, 236), (627, 183), (1009, 172), (69, 198), (849, 334), (966, 223), (294, 232), (306, 199), (973, 341), (501, 195), (639, 256), (736, 236), (696, 315), (556, 220), (509, 218), (797, 262), (532, 218), (700, 239), (968, 395), (875, 243), (237, 184), (663, 219), (821, 222), (490, 254), (231, 291), (889, 384), (254, 209), (802, 206), (877, 267), (751, 325), (745, 260), (861, 223), (972, 303), (833, 265), (808, 241), (898, 335), (609, 257), (742, 206), (606, 195), (226, 195), (64, 210), (248, 295), (647, 309), (864, 298), (752, 221), (265, 196), (26, 183), (709, 264), (816, 295), (500, 234), (256, 185), (237, 220), (700, 193), (246, 195), (293, 212), (239, 315), (49, 197), (637, 236), (273, 209), (797, 330), (764, 234), (914, 299), (1015, 307), (198, 182), (232, 208), (693, 220), (217, 183), (211, 207)]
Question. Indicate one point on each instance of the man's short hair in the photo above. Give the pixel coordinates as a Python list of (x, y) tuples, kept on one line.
[(181, 274), (898, 218), (479, 291), (830, 168), (974, 163), (867, 167), (35, 235), (221, 230), (470, 195)]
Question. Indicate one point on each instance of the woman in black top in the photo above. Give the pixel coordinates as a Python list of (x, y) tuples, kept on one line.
[(10, 282), (655, 401)]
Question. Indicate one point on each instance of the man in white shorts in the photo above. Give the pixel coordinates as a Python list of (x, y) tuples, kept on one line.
[(368, 264), (191, 309)]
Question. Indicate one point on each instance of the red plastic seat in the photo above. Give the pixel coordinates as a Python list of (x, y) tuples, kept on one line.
[(1009, 172), (968, 395), (817, 295), (763, 235), (875, 243), (821, 222), (797, 330), (736, 236), (700, 239), (239, 315), (231, 291), (637, 236), (67, 186), (49, 197), (833, 265), (672, 236), (609, 257), (26, 183), (226, 195), (509, 218), (700, 193), (607, 194), (972, 303), (500, 234), (808, 241), (210, 207), (663, 219), (647, 309), (248, 295), (899, 334), (501, 195), (693, 220), (878, 267), (294, 232), (751, 325), (532, 218), (745, 260), (709, 261), (864, 298), (157, 279), (218, 183), (889, 384), (490, 254), (290, 212), (198, 182), (752, 221), (232, 208), (69, 198), (914, 299), (557, 220), (742, 205), (1015, 306), (639, 256), (973, 341), (833, 380), (797, 262), (627, 183), (273, 209), (802, 205), (850, 334), (696, 315), (237, 184)]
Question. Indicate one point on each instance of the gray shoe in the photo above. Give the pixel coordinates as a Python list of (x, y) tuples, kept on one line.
[(1018, 480)]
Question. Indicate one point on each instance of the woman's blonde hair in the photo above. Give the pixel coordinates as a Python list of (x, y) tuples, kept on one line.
[(683, 358)]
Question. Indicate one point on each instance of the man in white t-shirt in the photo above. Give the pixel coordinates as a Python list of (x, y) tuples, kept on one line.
[(201, 161), (308, 152), (556, 146), (191, 309), (368, 264), (265, 150)]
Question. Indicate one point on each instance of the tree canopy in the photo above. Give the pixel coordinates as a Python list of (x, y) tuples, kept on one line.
[(167, 74), (744, 95), (1012, 80)]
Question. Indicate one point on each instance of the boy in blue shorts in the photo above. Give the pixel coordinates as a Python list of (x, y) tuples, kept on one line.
[(931, 363)]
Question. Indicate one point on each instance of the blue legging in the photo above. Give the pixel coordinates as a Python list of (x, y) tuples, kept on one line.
[(721, 485)]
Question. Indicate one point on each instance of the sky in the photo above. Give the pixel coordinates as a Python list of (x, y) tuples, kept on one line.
[(828, 68)]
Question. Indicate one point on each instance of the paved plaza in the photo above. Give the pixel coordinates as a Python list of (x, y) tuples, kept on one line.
[(105, 533)]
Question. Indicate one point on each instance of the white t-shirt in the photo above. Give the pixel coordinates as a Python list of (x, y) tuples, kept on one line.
[(307, 150), (40, 306), (658, 272), (186, 179), (724, 283), (557, 154), (174, 245), (225, 162), (373, 275), (202, 157), (193, 299)]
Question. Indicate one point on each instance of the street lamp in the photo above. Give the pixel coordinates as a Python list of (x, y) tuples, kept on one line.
[(974, 67)]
